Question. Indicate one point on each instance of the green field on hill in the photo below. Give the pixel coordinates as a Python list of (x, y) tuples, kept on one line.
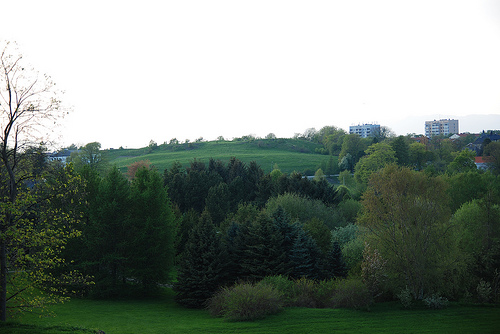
[(289, 154)]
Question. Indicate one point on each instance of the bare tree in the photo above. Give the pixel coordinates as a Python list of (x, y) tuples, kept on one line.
[(29, 106)]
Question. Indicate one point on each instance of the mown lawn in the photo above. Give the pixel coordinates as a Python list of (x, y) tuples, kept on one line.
[(163, 315)]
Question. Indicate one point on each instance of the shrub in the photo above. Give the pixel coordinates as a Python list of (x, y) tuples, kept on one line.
[(304, 293), (436, 302), (282, 284), (484, 291), (351, 293), (405, 297), (325, 290), (246, 301)]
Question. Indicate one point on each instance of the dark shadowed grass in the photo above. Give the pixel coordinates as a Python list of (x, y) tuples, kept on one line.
[(163, 315)]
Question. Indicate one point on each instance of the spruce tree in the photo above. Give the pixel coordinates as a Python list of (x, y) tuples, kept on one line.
[(202, 267), (233, 245), (152, 227), (289, 232), (263, 254), (335, 265), (106, 234), (305, 257)]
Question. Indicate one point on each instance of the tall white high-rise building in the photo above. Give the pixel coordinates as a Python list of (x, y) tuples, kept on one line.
[(441, 127), (365, 130)]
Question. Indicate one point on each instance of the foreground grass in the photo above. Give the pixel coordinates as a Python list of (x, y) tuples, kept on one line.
[(162, 315)]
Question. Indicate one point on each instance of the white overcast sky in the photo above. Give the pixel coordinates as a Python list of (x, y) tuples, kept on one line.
[(140, 70)]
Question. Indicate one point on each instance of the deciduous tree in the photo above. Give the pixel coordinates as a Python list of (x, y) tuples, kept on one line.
[(29, 104), (407, 215)]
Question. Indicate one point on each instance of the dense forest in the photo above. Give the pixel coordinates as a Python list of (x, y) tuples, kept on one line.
[(406, 220)]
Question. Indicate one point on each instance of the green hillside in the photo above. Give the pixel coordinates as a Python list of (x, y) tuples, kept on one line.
[(290, 154)]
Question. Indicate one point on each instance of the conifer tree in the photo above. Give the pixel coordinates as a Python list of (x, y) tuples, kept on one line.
[(233, 245), (289, 231), (335, 265), (202, 268), (107, 233), (217, 202), (152, 225), (263, 254), (305, 257)]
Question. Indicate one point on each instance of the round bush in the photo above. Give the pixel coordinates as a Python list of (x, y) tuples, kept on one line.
[(351, 293), (246, 301), (283, 284)]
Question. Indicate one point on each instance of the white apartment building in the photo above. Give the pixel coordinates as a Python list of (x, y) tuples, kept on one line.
[(365, 130), (441, 127)]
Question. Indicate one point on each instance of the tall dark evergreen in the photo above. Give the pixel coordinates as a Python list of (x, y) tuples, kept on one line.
[(107, 234), (402, 149), (234, 246), (217, 202), (196, 187), (152, 225), (202, 268), (263, 254), (335, 265), (289, 232), (188, 220), (175, 181), (305, 257)]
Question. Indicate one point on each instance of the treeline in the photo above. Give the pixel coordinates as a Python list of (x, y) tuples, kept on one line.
[(411, 221), (135, 228), (221, 187), (231, 222)]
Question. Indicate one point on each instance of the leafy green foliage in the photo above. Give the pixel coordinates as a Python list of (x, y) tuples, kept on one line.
[(355, 146), (298, 207), (407, 215), (401, 149), (463, 162), (436, 302), (351, 293), (377, 156), (43, 220), (246, 302), (405, 298), (321, 234)]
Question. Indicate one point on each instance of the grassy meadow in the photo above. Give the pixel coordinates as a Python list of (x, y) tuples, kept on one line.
[(290, 154), (163, 315)]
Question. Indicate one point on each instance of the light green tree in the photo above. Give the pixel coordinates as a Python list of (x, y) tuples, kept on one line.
[(29, 103), (355, 146), (377, 156), (418, 155), (463, 162), (407, 216), (90, 155), (319, 175)]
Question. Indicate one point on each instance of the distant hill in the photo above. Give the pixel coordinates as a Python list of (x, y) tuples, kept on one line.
[(290, 154)]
